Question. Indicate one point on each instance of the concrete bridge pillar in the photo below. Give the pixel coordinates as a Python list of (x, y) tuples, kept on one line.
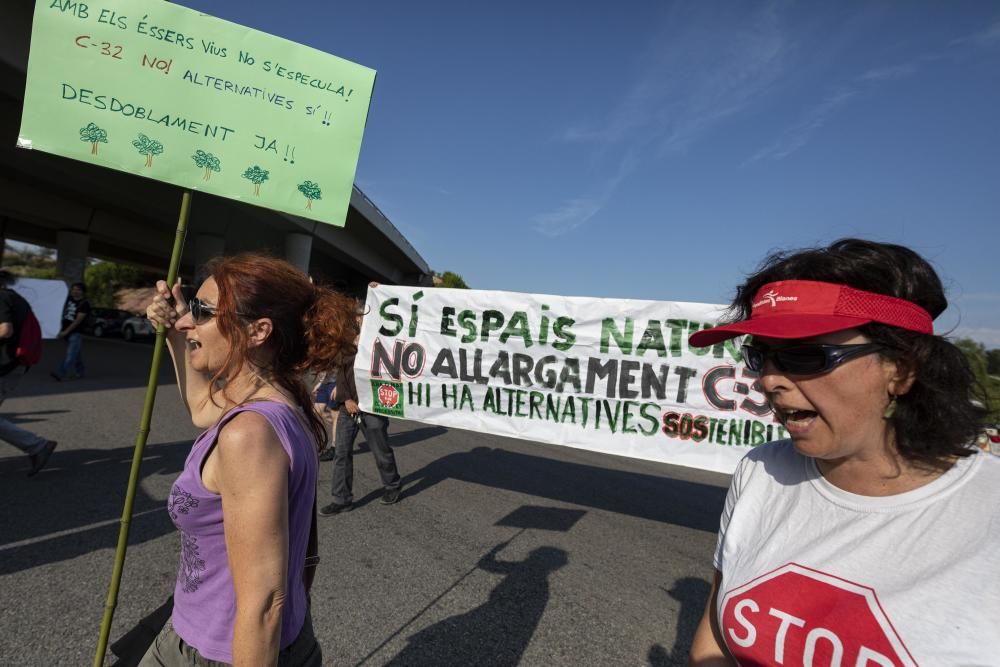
[(206, 246), (298, 250), (71, 255)]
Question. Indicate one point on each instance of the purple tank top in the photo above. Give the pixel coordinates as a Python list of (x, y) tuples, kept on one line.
[(204, 598)]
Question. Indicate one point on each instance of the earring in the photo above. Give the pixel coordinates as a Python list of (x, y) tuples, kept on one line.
[(890, 409)]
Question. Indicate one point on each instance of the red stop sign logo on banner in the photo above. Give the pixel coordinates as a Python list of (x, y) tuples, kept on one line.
[(798, 616), (388, 395)]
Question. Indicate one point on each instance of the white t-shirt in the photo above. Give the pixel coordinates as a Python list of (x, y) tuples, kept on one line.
[(814, 575)]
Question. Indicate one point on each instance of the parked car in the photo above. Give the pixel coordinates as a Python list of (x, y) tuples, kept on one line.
[(137, 327), (105, 322)]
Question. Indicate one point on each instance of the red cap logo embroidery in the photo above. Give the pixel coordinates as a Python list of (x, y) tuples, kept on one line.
[(771, 297)]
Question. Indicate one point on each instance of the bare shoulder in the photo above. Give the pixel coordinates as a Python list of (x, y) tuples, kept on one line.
[(248, 440)]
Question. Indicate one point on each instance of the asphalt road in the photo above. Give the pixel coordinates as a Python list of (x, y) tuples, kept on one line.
[(501, 551)]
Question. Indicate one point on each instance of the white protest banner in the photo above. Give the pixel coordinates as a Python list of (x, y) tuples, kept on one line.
[(608, 375), (47, 298)]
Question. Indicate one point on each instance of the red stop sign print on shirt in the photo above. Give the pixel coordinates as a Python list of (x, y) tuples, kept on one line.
[(799, 616)]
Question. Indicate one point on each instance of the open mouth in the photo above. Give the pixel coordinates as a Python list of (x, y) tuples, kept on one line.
[(796, 417), (193, 344)]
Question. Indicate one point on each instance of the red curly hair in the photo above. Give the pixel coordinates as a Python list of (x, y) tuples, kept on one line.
[(314, 327)]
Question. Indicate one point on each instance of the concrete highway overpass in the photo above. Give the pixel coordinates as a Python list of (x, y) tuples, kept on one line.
[(87, 211)]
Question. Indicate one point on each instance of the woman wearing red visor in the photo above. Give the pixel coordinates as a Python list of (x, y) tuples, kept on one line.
[(872, 536)]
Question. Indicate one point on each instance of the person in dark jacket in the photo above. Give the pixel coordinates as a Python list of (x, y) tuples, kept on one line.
[(376, 431)]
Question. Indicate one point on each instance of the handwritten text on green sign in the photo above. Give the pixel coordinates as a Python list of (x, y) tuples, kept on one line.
[(159, 90)]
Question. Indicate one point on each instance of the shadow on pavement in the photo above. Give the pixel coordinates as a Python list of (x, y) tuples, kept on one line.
[(498, 631), (692, 593), (74, 506), (31, 417), (404, 438), (677, 502)]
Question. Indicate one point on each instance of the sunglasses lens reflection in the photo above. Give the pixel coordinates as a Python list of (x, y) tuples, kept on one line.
[(753, 357), (801, 360), (197, 311)]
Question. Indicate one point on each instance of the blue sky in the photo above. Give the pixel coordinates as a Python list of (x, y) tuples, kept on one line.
[(658, 150)]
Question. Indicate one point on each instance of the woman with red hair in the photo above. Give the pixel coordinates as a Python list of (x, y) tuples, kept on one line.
[(245, 501)]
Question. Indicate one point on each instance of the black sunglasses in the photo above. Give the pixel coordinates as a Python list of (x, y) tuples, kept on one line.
[(201, 312), (807, 359)]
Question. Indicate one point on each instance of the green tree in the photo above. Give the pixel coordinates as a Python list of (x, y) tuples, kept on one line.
[(453, 280), (310, 191), (41, 272), (104, 279), (148, 147), (208, 162), (256, 175), (976, 354), (30, 262), (992, 387), (993, 362), (93, 135)]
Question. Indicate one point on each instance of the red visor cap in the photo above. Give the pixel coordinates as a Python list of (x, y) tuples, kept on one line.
[(807, 308)]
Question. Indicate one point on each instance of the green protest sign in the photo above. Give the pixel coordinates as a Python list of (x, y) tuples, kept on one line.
[(159, 90)]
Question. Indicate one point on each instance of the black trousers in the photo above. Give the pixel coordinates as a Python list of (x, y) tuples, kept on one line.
[(376, 430)]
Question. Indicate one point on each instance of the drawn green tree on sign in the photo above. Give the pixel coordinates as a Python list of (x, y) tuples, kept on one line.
[(310, 191), (93, 135), (256, 175), (208, 162), (148, 147)]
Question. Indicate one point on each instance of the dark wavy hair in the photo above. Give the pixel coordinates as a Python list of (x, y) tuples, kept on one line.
[(313, 327), (943, 411)]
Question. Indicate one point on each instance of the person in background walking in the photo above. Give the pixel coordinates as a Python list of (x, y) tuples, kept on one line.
[(375, 428), (326, 407), (13, 311), (75, 311)]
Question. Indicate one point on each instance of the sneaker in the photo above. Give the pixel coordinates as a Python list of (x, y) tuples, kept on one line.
[(326, 454), (335, 508), (391, 496), (39, 460)]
